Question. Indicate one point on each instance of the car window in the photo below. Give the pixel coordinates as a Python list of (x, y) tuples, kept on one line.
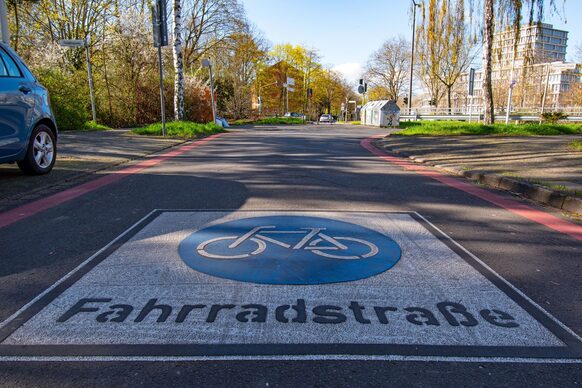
[(10, 67)]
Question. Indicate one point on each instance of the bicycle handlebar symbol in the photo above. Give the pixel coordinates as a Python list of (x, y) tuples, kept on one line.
[(311, 239)]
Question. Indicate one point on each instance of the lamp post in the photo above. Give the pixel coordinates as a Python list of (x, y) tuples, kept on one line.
[(77, 43), (414, 6), (206, 63), (4, 22)]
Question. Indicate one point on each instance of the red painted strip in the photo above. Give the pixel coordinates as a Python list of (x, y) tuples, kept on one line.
[(40, 205), (514, 207)]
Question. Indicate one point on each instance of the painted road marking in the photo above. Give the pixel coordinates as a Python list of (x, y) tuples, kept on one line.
[(139, 298), (22, 212), (512, 206), (289, 250)]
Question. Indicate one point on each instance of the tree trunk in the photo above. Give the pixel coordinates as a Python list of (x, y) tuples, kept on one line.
[(489, 117), (449, 92), (178, 63)]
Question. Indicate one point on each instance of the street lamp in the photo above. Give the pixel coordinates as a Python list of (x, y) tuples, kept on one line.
[(414, 5), (4, 22), (77, 43), (206, 63)]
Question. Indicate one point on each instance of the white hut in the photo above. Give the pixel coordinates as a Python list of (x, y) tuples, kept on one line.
[(381, 113)]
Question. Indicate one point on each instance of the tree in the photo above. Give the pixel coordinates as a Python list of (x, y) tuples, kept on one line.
[(500, 14), (387, 68), (178, 62), (207, 25)]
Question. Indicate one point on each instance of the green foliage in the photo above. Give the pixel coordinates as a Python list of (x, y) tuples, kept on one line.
[(93, 126), (576, 145), (269, 121), (69, 98), (460, 128), (180, 129), (553, 117)]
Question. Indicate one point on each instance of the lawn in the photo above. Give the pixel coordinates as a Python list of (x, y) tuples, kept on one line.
[(179, 129), (269, 121), (460, 128)]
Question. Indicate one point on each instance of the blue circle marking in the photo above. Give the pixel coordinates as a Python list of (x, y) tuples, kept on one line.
[(294, 250)]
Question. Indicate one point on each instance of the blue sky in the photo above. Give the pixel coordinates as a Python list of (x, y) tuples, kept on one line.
[(347, 32)]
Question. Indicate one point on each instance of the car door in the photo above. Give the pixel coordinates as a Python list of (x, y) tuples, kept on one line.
[(16, 106)]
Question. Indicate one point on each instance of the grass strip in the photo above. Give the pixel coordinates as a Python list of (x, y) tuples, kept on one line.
[(461, 128), (179, 129)]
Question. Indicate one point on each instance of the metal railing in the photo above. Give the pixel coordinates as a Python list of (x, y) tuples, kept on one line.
[(475, 110), (467, 113)]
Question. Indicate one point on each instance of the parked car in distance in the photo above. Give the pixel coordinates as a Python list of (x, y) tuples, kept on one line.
[(326, 118), (28, 131), (295, 115)]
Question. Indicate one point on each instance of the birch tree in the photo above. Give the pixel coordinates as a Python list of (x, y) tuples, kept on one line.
[(178, 62)]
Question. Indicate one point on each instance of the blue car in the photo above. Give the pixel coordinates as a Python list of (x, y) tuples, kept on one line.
[(28, 131)]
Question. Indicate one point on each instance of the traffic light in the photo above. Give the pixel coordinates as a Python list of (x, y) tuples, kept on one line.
[(365, 87), (405, 100), (361, 81)]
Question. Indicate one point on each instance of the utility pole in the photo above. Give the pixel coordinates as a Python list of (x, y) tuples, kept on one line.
[(4, 22), (545, 91), (90, 75), (414, 6), (206, 63), (510, 93)]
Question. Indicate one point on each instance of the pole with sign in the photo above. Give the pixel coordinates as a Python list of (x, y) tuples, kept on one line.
[(206, 63), (4, 22), (78, 43), (160, 32), (471, 92)]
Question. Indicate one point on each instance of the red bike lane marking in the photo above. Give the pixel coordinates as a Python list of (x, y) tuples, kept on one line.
[(512, 206), (35, 207)]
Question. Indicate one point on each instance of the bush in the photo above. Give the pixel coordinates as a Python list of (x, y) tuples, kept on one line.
[(553, 117), (69, 98)]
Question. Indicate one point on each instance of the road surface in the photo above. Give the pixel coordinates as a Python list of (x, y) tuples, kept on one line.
[(453, 245)]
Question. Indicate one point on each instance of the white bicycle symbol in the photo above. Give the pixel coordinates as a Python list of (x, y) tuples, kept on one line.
[(311, 239)]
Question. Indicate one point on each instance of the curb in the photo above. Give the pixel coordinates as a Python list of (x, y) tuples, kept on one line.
[(531, 191)]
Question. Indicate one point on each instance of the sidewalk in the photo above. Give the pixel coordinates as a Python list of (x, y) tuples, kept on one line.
[(80, 155), (535, 163)]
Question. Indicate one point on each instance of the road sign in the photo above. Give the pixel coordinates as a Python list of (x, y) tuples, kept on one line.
[(290, 81), (471, 82), (73, 43), (160, 23), (290, 89), (361, 89), (279, 284)]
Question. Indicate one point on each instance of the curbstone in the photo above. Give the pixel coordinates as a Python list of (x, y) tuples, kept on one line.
[(534, 192), (547, 196), (492, 180), (473, 175), (572, 204), (515, 185)]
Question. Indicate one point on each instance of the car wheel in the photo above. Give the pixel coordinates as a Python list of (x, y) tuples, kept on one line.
[(41, 153)]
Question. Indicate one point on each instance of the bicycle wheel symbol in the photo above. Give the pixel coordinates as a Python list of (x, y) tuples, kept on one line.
[(223, 244), (320, 250)]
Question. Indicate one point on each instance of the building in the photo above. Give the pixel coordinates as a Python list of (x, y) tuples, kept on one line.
[(538, 43), (540, 59)]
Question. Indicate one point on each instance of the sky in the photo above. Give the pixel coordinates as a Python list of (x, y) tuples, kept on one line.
[(346, 32)]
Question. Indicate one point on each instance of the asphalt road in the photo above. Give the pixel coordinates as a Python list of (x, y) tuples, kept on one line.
[(293, 168)]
